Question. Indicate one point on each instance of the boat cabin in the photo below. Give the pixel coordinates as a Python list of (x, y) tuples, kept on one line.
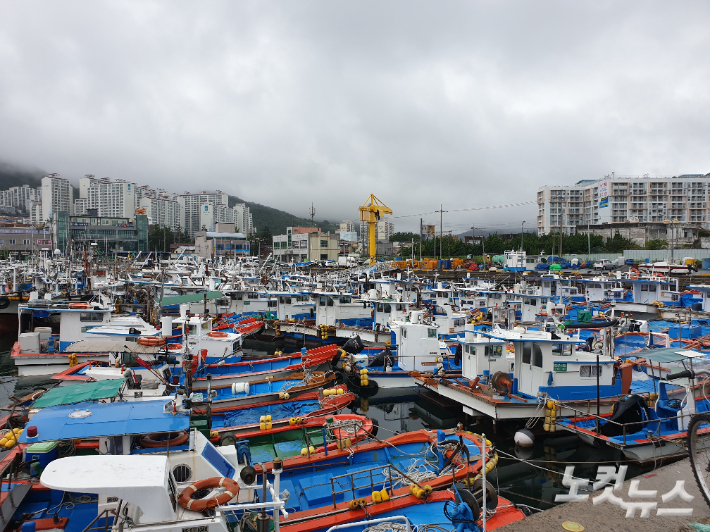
[(548, 364), (483, 356), (418, 344)]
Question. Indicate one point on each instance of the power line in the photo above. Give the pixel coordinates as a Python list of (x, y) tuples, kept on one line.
[(489, 207)]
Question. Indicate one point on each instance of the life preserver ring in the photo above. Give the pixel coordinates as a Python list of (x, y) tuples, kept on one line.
[(151, 441), (175, 346), (198, 505), (217, 334), (634, 274), (78, 305), (152, 341)]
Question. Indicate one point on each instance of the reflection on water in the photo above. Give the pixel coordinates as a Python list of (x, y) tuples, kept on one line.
[(398, 411)]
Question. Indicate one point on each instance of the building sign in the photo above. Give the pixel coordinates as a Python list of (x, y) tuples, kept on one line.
[(603, 194)]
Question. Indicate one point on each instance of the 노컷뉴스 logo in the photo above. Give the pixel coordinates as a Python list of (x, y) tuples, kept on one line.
[(605, 475)]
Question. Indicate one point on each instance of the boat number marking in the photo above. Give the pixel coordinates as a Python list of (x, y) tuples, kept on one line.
[(560, 366), (195, 529)]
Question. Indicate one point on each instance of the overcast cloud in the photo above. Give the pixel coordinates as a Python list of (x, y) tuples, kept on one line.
[(421, 103)]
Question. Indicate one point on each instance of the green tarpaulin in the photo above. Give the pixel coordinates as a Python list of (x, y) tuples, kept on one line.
[(668, 354), (191, 298), (77, 393)]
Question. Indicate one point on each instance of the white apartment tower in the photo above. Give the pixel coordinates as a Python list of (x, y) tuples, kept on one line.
[(615, 199), (116, 199), (384, 229), (20, 197), (191, 206), (56, 196), (243, 220)]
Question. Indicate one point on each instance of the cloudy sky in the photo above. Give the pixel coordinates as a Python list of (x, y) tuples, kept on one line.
[(421, 103)]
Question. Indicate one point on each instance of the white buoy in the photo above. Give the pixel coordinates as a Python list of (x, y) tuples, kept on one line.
[(524, 438)]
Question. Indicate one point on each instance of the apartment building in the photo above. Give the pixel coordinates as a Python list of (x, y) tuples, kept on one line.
[(347, 226), (20, 197), (162, 212), (56, 196), (294, 246), (619, 199), (383, 231), (191, 206), (243, 219), (110, 198)]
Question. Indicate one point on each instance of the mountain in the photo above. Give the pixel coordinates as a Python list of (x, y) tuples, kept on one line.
[(278, 220), (13, 176)]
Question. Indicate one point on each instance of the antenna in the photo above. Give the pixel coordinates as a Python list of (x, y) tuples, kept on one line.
[(312, 213)]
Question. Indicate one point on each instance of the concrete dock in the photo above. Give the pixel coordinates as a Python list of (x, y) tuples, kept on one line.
[(608, 516)]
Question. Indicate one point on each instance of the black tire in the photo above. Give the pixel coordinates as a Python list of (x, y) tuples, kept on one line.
[(375, 428), (699, 451), (4, 303)]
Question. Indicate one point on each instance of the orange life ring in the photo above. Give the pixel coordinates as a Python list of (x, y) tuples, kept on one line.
[(217, 334), (199, 505), (152, 341), (78, 305), (175, 346), (151, 442), (634, 274)]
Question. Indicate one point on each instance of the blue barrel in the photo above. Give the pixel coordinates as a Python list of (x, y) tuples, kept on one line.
[(706, 264)]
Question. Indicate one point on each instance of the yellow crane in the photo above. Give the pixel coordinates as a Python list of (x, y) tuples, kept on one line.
[(371, 211)]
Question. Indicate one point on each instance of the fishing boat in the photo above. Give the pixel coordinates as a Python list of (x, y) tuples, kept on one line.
[(651, 428)]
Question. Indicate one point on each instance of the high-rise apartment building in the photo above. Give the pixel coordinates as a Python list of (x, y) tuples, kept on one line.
[(616, 199), (384, 229), (162, 212), (56, 196), (243, 219), (20, 197), (347, 226), (192, 205), (113, 199)]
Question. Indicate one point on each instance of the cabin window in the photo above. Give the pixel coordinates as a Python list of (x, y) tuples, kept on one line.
[(272, 303), (238, 297), (252, 296), (281, 300), (388, 308), (432, 333), (404, 332), (90, 316), (330, 301), (527, 352), (494, 350), (321, 301), (380, 307), (287, 300), (537, 356), (644, 288), (459, 322), (562, 349), (344, 300), (589, 371)]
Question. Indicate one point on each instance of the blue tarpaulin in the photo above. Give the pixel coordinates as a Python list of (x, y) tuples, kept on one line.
[(105, 419)]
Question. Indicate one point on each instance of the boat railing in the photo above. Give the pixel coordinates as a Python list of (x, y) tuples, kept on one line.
[(652, 426), (366, 474), (395, 519)]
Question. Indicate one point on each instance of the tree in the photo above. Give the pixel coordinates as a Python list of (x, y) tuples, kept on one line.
[(404, 237), (656, 243)]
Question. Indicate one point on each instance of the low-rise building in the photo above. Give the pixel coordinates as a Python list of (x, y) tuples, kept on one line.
[(323, 246), (294, 246), (25, 240), (223, 241), (680, 234), (109, 234)]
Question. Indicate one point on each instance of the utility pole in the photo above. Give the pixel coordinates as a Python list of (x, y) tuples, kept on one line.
[(312, 213), (420, 239), (441, 231)]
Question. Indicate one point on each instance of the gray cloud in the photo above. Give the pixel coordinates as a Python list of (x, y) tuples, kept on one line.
[(421, 103)]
